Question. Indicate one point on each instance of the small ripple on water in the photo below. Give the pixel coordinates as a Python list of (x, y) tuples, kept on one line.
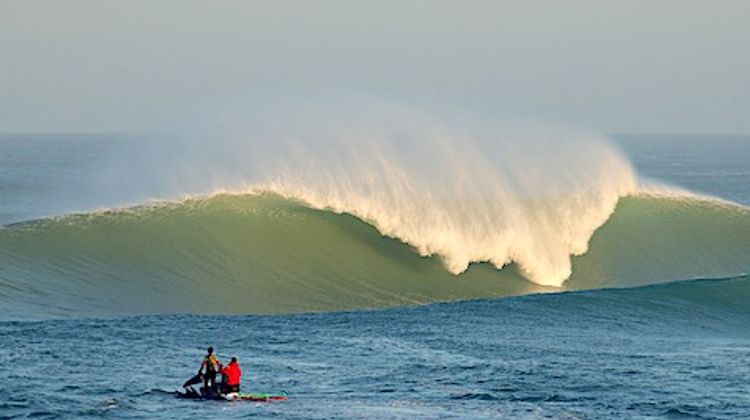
[(683, 412), (483, 396), (44, 414)]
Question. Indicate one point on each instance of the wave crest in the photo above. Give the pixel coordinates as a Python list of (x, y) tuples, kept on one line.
[(467, 191)]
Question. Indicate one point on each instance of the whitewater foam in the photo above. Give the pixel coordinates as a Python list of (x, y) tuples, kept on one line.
[(467, 193)]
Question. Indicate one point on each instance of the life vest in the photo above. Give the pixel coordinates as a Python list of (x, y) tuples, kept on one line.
[(211, 362)]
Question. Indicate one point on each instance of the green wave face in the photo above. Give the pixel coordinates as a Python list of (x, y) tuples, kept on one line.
[(656, 239), (267, 254), (227, 254)]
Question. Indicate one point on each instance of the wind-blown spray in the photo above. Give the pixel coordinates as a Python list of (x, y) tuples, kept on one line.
[(466, 190)]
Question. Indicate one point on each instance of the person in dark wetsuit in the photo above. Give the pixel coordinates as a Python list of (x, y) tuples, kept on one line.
[(210, 366)]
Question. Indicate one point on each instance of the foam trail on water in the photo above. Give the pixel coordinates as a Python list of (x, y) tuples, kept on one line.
[(468, 190)]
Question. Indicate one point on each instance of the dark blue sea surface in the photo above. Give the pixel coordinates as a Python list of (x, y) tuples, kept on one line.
[(670, 351)]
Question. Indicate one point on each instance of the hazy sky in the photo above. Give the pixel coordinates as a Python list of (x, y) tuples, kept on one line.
[(616, 66)]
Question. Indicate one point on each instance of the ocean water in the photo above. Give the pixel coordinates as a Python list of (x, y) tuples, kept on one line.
[(610, 281)]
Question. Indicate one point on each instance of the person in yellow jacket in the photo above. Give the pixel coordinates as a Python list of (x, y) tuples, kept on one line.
[(210, 366)]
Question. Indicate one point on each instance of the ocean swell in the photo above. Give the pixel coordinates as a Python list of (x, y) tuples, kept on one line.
[(263, 253)]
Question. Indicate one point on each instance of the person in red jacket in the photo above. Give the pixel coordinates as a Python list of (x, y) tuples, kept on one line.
[(232, 376)]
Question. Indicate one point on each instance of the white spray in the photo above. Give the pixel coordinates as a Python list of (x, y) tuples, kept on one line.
[(464, 188)]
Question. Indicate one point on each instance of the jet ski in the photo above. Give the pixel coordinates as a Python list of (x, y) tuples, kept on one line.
[(192, 394), (214, 393)]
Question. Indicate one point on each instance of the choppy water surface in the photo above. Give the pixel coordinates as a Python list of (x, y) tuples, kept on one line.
[(679, 350)]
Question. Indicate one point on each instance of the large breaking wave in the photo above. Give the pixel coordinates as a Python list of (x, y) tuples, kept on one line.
[(263, 253), (463, 188), (296, 210)]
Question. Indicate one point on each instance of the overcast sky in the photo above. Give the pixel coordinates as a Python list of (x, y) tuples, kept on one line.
[(616, 66)]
